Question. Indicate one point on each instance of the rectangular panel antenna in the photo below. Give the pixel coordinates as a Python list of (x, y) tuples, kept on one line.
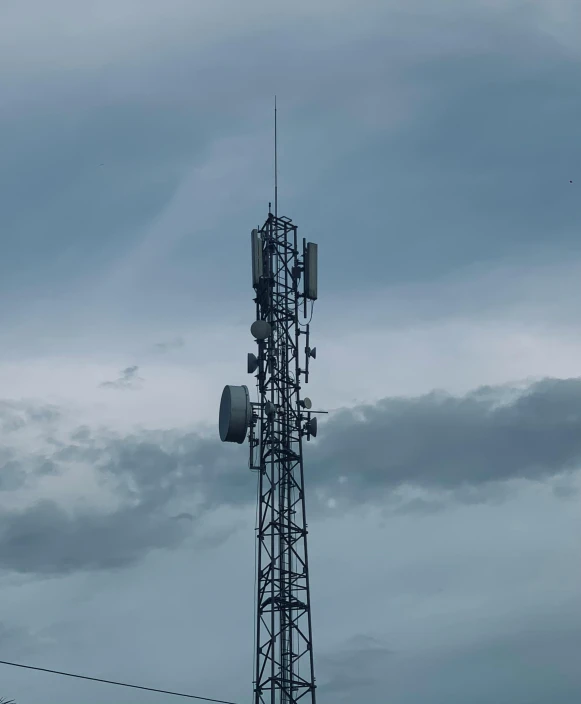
[(311, 271), (257, 262)]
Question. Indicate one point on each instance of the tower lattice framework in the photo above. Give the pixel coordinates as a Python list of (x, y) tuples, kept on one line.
[(284, 666)]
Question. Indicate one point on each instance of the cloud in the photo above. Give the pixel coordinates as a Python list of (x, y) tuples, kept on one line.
[(439, 441), (128, 380), (468, 109), (566, 489), (354, 667), (175, 344), (171, 155), (102, 499), (11, 474), (537, 657), (15, 415), (96, 500), (46, 539), (416, 586)]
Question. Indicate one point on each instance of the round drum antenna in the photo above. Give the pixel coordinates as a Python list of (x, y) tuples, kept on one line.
[(235, 414)]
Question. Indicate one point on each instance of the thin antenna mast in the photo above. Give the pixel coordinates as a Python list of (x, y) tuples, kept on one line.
[(275, 164)]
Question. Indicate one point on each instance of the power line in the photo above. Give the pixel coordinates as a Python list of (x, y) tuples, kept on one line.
[(118, 684)]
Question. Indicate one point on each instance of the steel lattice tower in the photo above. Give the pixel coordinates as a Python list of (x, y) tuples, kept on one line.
[(284, 280)]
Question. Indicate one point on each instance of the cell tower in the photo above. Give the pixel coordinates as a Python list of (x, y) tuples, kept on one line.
[(284, 280)]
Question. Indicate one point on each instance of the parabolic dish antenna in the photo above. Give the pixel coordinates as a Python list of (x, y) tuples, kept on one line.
[(261, 329), (235, 414), (252, 364)]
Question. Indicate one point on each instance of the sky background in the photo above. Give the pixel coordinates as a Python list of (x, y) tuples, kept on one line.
[(432, 150)]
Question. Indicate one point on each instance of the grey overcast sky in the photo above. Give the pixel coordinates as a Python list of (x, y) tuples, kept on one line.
[(433, 151)]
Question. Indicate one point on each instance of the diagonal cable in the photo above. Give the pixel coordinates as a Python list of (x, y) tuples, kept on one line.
[(118, 684)]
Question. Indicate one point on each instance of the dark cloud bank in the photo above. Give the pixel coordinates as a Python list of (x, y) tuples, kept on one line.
[(462, 446)]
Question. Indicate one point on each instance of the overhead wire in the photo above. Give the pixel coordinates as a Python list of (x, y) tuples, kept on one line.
[(118, 684)]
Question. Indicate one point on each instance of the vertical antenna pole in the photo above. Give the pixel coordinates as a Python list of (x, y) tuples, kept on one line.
[(275, 164)]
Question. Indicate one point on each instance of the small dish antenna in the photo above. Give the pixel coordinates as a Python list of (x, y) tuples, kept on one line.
[(235, 414), (307, 403), (312, 428), (261, 329), (252, 364)]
